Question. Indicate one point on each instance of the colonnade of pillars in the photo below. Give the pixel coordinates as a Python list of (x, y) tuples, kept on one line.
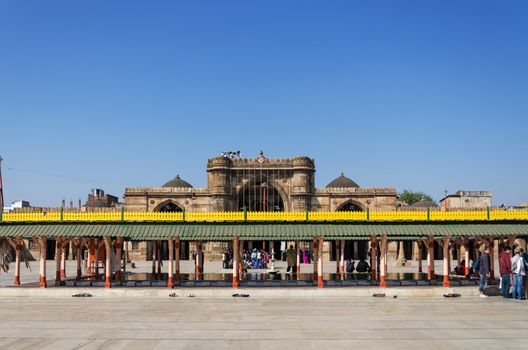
[(376, 244)]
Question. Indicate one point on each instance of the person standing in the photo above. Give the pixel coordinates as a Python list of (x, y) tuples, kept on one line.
[(505, 271), (484, 271), (517, 266), (291, 258)]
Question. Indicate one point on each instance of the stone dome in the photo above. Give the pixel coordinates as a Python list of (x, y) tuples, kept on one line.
[(342, 181), (177, 182)]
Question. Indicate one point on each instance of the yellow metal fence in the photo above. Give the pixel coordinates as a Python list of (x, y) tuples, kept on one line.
[(391, 216)]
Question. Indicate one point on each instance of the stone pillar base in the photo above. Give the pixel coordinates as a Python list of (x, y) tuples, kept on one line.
[(16, 281), (42, 282)]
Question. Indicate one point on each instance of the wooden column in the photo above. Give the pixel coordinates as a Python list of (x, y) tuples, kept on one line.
[(298, 266), (18, 246), (445, 246), (96, 261), (153, 254), (466, 256), (315, 257), (236, 261), (108, 264), (170, 280), (420, 257), (373, 256), (63, 260), (158, 260), (177, 258), (58, 256), (119, 250), (342, 259), (42, 274), (429, 243), (241, 262), (383, 262), (320, 282)]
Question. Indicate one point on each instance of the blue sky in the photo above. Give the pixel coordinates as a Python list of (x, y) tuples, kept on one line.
[(424, 95)]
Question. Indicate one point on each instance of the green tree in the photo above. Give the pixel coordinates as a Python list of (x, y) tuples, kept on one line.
[(411, 197)]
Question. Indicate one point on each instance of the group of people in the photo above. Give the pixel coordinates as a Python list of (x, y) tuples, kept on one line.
[(254, 259), (512, 268)]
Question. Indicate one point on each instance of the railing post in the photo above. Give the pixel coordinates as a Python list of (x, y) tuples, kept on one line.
[(428, 214), (122, 214), (306, 214), (245, 214), (61, 214), (368, 214), (488, 213), (1, 214), (183, 215)]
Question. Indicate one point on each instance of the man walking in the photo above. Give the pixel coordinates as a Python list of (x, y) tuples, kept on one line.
[(291, 258), (484, 271), (517, 266), (505, 271)]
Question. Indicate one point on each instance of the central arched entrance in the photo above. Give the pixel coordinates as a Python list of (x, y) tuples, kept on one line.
[(260, 194)]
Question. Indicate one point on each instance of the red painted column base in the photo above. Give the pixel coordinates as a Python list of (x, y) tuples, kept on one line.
[(446, 281), (466, 271), (79, 274), (235, 282), (62, 274), (320, 283), (170, 282), (16, 281), (383, 282), (298, 269), (108, 282), (42, 282)]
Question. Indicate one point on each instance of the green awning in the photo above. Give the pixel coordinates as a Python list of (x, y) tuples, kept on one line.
[(269, 231)]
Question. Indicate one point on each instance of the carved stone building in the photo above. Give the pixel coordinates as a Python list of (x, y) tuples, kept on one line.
[(257, 184)]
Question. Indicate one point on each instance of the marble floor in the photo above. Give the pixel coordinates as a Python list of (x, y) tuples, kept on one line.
[(263, 323)]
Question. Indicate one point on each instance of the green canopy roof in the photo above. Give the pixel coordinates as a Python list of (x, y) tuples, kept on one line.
[(270, 231)]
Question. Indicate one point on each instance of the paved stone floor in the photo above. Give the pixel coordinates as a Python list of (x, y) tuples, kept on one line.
[(263, 323)]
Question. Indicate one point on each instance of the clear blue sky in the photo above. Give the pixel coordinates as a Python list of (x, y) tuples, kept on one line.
[(424, 95)]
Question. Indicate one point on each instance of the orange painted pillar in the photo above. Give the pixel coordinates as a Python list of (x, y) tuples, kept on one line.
[(119, 250), (43, 251), (63, 263), (236, 261), (96, 261), (177, 258), (342, 259), (16, 281), (466, 257), (108, 264), (419, 244), (78, 257), (170, 281), (298, 261), (241, 258), (315, 253), (320, 282), (373, 257), (383, 262), (447, 240)]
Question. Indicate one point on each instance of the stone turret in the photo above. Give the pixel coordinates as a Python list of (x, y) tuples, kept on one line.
[(218, 182), (303, 188)]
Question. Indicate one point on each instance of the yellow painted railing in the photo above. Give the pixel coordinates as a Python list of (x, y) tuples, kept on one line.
[(239, 216)]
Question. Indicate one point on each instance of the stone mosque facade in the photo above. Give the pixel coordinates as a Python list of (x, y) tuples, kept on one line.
[(257, 184)]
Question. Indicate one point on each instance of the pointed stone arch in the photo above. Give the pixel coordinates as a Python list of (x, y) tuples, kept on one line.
[(169, 205)]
